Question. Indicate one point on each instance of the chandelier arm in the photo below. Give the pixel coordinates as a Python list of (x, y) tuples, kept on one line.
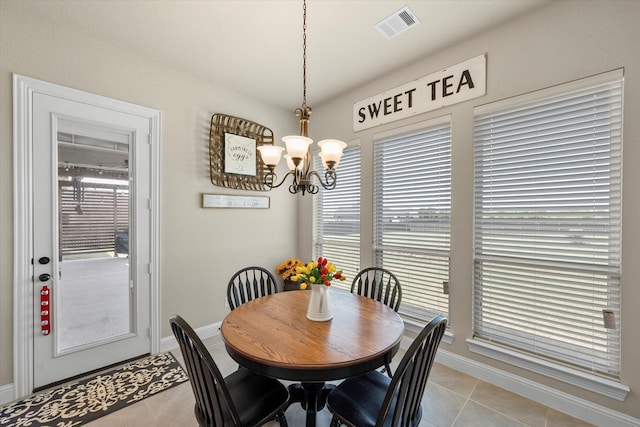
[(306, 188), (329, 181), (271, 177), (331, 178)]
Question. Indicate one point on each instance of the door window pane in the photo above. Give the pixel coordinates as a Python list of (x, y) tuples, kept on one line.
[(93, 300)]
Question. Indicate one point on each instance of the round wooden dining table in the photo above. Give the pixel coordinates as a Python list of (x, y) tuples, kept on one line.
[(272, 336)]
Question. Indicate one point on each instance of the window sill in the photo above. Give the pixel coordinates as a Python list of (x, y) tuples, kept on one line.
[(593, 383)]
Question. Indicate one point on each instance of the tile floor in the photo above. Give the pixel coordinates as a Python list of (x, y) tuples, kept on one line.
[(451, 399)]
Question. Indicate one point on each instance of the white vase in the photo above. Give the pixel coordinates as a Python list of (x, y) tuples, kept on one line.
[(319, 309)]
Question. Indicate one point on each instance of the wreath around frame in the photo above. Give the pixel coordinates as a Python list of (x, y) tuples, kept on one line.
[(221, 124)]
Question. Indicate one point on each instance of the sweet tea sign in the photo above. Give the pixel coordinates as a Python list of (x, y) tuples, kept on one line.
[(458, 83)]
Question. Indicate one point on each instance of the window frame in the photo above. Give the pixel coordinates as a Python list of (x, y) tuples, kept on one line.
[(499, 349), (417, 301)]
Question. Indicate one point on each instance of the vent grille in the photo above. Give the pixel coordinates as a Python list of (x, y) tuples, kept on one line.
[(397, 23)]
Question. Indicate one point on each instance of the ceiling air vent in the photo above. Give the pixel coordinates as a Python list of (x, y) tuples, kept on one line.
[(397, 23)]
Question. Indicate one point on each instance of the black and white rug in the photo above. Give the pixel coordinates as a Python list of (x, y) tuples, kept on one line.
[(79, 402)]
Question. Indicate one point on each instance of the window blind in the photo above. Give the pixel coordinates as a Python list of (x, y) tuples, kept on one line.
[(412, 215), (91, 223), (548, 225), (336, 232)]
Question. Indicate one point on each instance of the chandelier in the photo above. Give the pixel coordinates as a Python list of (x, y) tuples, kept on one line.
[(298, 155)]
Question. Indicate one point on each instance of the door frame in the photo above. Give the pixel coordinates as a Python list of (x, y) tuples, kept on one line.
[(23, 290)]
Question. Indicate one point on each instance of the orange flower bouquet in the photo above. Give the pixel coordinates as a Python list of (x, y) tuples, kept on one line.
[(288, 268)]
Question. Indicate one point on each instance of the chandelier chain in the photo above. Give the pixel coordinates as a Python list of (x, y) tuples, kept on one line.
[(300, 163), (304, 53)]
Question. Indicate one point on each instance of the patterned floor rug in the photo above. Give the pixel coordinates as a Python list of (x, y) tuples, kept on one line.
[(79, 402)]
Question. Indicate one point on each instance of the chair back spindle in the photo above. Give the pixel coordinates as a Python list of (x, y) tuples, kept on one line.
[(250, 283), (379, 284)]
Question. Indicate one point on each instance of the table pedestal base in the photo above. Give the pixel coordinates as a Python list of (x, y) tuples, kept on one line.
[(312, 398)]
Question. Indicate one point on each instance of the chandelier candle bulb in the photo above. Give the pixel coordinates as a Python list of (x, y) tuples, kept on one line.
[(270, 154), (328, 166), (331, 150), (297, 146)]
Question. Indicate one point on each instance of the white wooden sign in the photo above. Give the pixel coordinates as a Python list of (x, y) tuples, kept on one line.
[(458, 83), (229, 201)]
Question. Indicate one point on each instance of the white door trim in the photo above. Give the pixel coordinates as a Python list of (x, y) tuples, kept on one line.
[(23, 89)]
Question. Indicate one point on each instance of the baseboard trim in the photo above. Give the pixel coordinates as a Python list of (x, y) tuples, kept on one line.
[(587, 381), (204, 332), (558, 400), (7, 393)]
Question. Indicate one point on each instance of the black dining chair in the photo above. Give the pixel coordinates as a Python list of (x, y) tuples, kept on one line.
[(250, 283), (381, 285), (240, 399), (375, 400)]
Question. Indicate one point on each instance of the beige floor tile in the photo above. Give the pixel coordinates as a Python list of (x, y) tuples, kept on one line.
[(453, 380), (441, 406), (510, 404), (475, 415), (172, 407)]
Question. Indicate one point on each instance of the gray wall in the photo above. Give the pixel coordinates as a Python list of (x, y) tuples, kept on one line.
[(564, 41)]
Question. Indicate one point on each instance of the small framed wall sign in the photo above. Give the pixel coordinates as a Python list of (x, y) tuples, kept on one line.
[(231, 201), (233, 153), (239, 155)]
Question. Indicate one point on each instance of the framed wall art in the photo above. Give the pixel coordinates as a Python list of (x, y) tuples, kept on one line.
[(239, 155), (234, 161)]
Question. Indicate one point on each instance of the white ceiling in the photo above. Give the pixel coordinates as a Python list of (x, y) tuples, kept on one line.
[(255, 46)]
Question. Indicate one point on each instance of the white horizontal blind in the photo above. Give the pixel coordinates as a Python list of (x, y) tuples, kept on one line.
[(547, 226), (336, 222), (91, 215), (412, 216)]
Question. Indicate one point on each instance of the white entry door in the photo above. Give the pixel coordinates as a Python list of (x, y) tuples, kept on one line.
[(91, 238)]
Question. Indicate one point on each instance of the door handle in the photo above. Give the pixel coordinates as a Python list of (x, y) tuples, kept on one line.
[(44, 277)]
